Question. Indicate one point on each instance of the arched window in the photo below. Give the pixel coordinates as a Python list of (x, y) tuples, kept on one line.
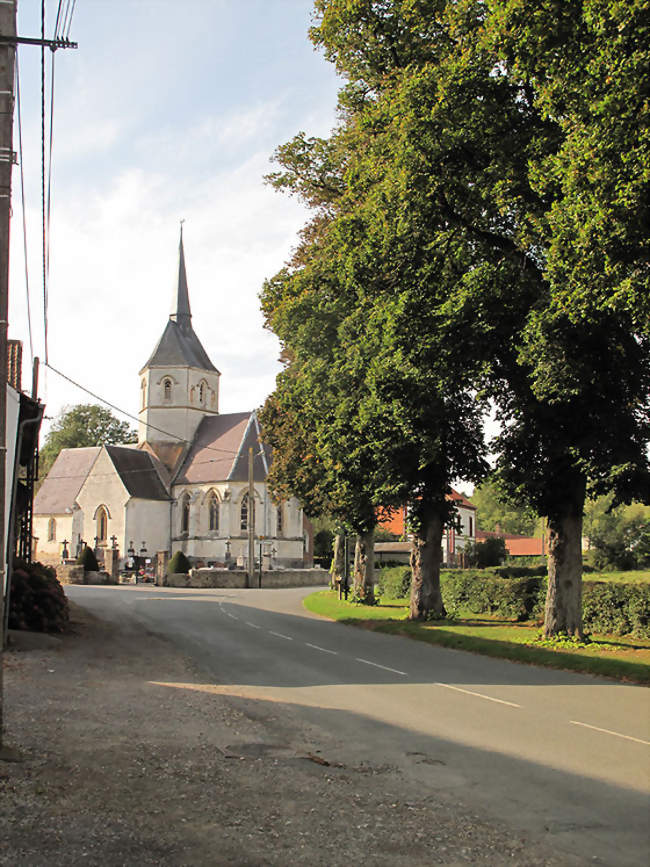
[(213, 511), (51, 530), (185, 513), (167, 389), (243, 514), (202, 390), (143, 393), (280, 520), (102, 524)]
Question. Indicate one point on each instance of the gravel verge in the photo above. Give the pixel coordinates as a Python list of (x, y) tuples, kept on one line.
[(117, 769)]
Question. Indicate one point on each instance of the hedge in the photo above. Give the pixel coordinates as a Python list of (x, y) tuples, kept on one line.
[(394, 583), (608, 608), (480, 593)]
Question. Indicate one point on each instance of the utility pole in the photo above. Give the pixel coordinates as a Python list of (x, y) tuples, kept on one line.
[(7, 63), (251, 521)]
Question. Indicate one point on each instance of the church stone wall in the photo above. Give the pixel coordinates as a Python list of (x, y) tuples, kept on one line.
[(217, 578), (164, 419), (40, 531), (147, 521), (103, 487)]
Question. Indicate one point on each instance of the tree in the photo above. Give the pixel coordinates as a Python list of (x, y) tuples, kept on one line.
[(86, 424), (618, 537), (491, 552), (512, 140), (496, 512)]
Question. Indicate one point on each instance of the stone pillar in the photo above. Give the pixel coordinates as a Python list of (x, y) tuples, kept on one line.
[(112, 564), (162, 558)]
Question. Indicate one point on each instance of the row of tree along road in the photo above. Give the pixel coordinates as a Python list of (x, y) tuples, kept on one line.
[(478, 239)]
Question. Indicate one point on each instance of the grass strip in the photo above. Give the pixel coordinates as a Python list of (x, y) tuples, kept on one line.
[(623, 658)]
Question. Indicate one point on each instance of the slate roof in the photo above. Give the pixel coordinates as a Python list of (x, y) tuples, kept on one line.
[(219, 451), (60, 487), (138, 472), (179, 346)]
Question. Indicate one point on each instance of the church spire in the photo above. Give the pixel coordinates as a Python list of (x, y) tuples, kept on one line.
[(181, 313)]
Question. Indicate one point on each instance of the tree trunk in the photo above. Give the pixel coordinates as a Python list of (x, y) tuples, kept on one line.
[(563, 611), (337, 569), (426, 554), (357, 570), (364, 563)]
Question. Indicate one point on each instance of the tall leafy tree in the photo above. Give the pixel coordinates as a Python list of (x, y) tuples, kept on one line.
[(487, 118)]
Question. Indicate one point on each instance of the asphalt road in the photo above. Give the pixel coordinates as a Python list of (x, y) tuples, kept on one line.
[(562, 756)]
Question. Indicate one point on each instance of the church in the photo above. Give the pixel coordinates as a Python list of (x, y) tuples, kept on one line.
[(185, 485)]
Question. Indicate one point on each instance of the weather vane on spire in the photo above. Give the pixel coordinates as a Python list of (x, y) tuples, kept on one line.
[(182, 221)]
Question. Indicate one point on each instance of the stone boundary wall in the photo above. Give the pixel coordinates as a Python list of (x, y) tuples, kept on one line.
[(213, 578), (74, 574)]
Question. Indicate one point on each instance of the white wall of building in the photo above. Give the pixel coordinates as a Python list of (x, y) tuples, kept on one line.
[(63, 531), (146, 521), (202, 543), (103, 487)]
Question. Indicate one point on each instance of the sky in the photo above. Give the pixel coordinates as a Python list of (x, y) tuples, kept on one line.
[(166, 111)]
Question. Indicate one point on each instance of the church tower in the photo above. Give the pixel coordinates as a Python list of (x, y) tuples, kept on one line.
[(179, 385)]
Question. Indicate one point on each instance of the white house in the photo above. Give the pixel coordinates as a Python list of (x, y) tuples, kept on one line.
[(184, 486)]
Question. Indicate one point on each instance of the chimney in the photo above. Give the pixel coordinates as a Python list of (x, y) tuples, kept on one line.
[(15, 364)]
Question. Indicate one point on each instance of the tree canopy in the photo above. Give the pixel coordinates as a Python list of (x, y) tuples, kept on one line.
[(478, 232)]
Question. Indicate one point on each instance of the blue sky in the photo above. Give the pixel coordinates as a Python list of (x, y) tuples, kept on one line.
[(167, 110)]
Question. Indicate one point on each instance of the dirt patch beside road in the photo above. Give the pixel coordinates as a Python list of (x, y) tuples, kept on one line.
[(120, 769)]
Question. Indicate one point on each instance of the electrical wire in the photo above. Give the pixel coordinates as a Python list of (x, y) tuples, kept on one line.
[(22, 195), (134, 417), (72, 8), (58, 18), (43, 208)]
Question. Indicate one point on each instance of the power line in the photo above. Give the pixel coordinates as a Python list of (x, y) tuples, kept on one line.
[(134, 417), (43, 210), (22, 194)]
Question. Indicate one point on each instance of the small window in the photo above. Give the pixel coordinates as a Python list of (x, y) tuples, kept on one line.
[(167, 389), (185, 514), (280, 520), (213, 509), (203, 393), (243, 514), (51, 530), (102, 525), (143, 393), (471, 526)]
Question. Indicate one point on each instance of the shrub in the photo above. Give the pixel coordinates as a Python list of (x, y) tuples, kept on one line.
[(487, 593), (394, 583), (37, 601), (178, 563), (618, 609), (88, 560)]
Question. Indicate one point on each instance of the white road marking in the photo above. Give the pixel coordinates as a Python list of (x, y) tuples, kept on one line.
[(478, 694), (280, 635), (322, 649), (385, 667), (252, 625), (608, 732), (232, 616)]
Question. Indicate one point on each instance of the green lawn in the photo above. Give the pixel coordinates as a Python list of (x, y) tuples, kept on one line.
[(640, 575), (624, 658)]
